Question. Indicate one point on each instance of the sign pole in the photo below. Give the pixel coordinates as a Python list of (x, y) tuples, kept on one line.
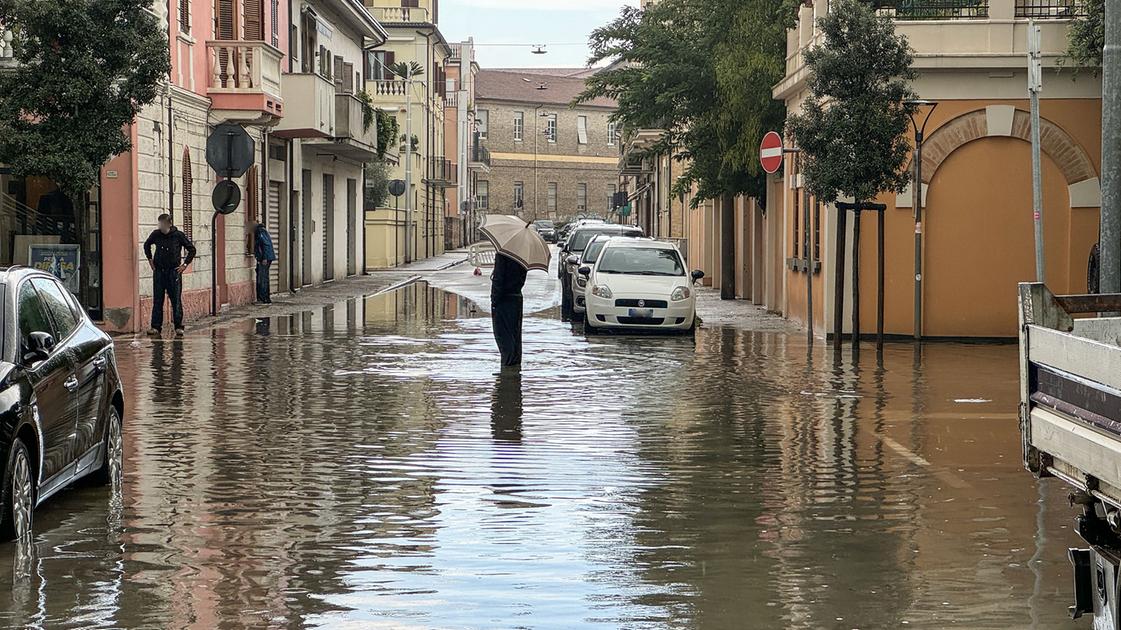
[(1035, 86)]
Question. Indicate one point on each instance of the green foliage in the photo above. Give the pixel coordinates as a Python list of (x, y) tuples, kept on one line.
[(851, 129), (388, 129), (415, 143), (1086, 38), (377, 184), (406, 69), (84, 69), (369, 114), (701, 71)]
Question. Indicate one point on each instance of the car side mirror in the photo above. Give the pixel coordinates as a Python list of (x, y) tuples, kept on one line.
[(572, 260), (698, 274), (38, 348), (584, 271)]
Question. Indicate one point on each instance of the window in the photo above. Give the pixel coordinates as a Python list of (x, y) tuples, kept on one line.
[(53, 297), (519, 195), (582, 129), (187, 222), (32, 315), (551, 203), (519, 126), (551, 128), (185, 16), (611, 190), (253, 26), (581, 197), (482, 194), (612, 133), (482, 121)]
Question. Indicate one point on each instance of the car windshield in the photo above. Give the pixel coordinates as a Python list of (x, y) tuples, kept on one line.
[(591, 253), (641, 261), (581, 238), (544, 224)]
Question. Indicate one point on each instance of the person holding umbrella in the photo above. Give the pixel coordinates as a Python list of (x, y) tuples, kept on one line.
[(518, 250)]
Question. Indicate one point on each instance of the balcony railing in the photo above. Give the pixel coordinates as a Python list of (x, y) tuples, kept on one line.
[(457, 51), (402, 15), (444, 171), (6, 46), (1050, 9), (480, 154), (389, 88), (350, 121), (452, 100), (245, 67), (933, 9)]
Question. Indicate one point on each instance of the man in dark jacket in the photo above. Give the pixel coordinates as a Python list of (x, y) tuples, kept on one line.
[(265, 254), (506, 308), (168, 265)]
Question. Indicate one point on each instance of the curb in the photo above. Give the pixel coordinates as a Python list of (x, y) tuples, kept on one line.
[(398, 285)]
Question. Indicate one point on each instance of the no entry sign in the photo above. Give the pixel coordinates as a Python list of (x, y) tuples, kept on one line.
[(770, 152)]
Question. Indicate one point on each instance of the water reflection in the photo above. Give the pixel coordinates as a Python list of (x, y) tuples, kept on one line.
[(366, 464)]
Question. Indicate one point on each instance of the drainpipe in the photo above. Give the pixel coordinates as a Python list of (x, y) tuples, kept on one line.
[(1110, 268), (170, 126)]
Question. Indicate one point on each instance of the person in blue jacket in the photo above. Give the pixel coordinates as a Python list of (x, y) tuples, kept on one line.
[(265, 254)]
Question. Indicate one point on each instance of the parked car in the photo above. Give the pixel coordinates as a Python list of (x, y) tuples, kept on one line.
[(546, 229), (640, 284), (588, 259), (62, 401), (575, 245)]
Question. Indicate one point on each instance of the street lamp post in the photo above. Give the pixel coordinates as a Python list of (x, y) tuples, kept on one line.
[(916, 203)]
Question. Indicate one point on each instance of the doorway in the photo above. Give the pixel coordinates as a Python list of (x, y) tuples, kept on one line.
[(351, 227), (308, 229), (328, 227)]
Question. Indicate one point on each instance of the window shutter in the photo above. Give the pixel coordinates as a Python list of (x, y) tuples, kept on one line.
[(412, 4), (187, 222), (224, 20), (254, 22), (348, 77), (185, 16), (275, 23)]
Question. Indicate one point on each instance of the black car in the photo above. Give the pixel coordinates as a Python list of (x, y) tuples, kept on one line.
[(546, 229), (574, 246), (61, 401)]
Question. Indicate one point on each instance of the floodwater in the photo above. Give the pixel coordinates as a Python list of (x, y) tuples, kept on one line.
[(363, 466)]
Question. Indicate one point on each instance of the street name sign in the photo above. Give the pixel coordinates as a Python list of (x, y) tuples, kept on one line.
[(770, 152)]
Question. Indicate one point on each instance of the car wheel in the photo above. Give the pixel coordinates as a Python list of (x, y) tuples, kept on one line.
[(18, 494), (112, 458), (566, 300), (588, 328)]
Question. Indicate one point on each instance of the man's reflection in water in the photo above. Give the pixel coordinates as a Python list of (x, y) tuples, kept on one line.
[(264, 326), (506, 406)]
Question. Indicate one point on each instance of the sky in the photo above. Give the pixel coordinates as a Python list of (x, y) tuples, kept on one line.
[(562, 26)]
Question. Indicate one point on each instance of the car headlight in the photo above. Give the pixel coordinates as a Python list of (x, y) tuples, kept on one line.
[(601, 290), (680, 293)]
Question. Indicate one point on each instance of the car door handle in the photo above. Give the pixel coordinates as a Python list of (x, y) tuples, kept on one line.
[(100, 363), (71, 383)]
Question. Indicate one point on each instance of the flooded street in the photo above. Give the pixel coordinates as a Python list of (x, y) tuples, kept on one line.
[(363, 466)]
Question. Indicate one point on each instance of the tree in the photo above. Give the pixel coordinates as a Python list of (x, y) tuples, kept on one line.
[(851, 128), (702, 71), (377, 184), (84, 68), (406, 69), (1086, 39)]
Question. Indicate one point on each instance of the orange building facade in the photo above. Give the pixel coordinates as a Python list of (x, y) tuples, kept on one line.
[(977, 219)]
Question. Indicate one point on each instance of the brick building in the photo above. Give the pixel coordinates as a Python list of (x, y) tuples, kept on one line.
[(549, 159)]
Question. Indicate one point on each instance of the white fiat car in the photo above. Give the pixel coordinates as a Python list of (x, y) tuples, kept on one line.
[(640, 284)]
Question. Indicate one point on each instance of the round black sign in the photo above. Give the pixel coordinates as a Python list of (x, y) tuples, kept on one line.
[(226, 197), (396, 187)]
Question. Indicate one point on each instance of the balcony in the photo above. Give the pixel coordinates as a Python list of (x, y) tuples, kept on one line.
[(400, 15), (444, 173), (451, 101), (245, 80), (948, 35), (311, 107), (351, 138), (480, 158)]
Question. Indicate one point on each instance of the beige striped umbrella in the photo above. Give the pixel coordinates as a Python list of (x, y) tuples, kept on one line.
[(517, 239)]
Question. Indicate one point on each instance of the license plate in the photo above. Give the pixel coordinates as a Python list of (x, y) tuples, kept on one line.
[(641, 313)]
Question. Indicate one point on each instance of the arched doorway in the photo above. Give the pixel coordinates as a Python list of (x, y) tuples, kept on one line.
[(980, 239)]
